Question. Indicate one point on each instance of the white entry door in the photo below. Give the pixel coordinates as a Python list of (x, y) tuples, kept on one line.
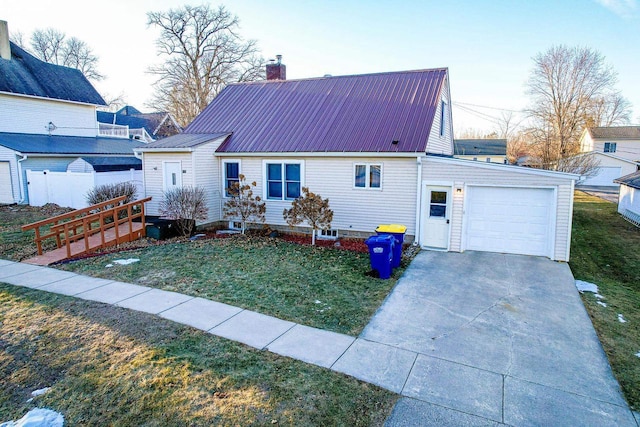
[(172, 175), (436, 217)]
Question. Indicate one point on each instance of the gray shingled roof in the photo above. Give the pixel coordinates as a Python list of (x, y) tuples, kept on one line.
[(616, 132), (110, 164), (74, 145), (183, 140), (480, 147), (27, 75), (631, 180)]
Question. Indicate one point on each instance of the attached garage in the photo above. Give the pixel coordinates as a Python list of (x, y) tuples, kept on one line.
[(604, 176), (6, 190), (518, 220), (467, 205)]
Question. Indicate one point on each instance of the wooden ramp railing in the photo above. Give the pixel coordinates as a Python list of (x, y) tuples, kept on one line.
[(85, 230)]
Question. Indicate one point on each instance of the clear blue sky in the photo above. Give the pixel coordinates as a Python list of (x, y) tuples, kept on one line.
[(487, 45)]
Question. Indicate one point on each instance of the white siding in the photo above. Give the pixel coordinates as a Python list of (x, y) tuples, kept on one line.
[(629, 200), (79, 165), (32, 115), (354, 209), (483, 158), (625, 148), (7, 155), (462, 175), (152, 166), (442, 144), (208, 176)]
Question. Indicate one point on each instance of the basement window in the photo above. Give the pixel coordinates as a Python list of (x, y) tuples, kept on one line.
[(327, 234)]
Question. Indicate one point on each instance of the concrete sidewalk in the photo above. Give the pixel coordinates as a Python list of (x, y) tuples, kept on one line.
[(438, 389)]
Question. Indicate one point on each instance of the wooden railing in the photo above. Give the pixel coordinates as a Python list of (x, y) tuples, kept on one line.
[(84, 223)]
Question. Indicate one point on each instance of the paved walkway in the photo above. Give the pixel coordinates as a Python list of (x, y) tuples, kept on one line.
[(464, 385)]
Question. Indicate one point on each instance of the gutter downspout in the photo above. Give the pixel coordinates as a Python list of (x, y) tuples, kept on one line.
[(140, 156), (20, 179), (418, 201)]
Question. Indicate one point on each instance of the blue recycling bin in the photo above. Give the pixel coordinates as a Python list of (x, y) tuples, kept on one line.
[(397, 231), (381, 254)]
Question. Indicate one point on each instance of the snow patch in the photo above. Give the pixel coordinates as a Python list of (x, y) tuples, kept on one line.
[(586, 286), (40, 391), (318, 301), (109, 265), (604, 304), (638, 354), (37, 417), (126, 261), (621, 318), (598, 296)]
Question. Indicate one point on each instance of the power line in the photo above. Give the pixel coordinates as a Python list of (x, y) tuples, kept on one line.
[(486, 106)]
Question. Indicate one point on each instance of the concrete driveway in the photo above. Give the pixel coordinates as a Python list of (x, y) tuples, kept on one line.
[(500, 339)]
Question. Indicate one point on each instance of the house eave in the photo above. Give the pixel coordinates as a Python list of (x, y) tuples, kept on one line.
[(44, 98), (498, 166), (322, 154), (164, 150)]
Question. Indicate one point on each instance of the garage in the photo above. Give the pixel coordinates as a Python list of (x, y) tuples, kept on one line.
[(604, 176), (6, 193), (515, 220), (479, 206)]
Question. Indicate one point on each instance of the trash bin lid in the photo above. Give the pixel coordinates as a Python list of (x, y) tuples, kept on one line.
[(391, 228)]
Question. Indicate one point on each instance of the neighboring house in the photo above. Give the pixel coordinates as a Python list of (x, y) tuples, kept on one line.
[(380, 147), (622, 141), (128, 122), (629, 197), (610, 167), (47, 120), (483, 150)]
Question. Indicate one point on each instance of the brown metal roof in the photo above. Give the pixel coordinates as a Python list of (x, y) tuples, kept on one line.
[(361, 113)]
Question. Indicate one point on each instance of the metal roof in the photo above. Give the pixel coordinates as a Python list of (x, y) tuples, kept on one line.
[(27, 75), (183, 140), (616, 132), (110, 164), (129, 116), (480, 147), (361, 113), (55, 144), (631, 180)]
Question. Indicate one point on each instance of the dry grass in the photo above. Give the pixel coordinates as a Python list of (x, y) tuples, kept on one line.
[(111, 366)]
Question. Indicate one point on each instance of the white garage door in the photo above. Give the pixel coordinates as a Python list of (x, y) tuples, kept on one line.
[(6, 193), (604, 177), (509, 220)]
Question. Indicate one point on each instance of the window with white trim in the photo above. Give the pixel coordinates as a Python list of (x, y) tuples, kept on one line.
[(284, 180), (327, 234), (610, 147), (231, 170), (367, 175)]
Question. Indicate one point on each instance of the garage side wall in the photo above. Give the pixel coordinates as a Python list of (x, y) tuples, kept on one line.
[(462, 175), (9, 156)]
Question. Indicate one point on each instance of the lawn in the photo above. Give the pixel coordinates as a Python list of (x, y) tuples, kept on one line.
[(605, 251), (111, 366), (326, 288)]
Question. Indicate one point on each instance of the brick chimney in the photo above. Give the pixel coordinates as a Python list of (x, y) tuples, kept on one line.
[(276, 70), (5, 47)]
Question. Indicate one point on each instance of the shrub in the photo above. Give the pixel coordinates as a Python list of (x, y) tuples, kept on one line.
[(311, 208), (185, 205), (102, 193), (242, 205)]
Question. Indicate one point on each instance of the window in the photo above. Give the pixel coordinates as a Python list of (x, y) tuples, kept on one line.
[(438, 204), (443, 116), (284, 180), (231, 175), (327, 234), (610, 147), (488, 159), (368, 175)]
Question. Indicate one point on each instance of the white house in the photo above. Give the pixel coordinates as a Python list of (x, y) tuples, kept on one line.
[(621, 141), (47, 120), (629, 197), (380, 147)]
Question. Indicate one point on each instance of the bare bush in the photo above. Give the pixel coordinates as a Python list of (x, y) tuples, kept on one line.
[(185, 205)]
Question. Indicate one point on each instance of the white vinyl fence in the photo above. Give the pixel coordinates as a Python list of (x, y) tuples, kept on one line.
[(69, 189)]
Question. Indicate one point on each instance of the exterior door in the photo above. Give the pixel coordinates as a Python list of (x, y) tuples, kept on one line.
[(172, 175), (436, 214)]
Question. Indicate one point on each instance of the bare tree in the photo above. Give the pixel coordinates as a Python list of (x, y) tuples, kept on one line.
[(203, 53), (114, 102), (610, 110), (565, 85), (53, 46), (313, 209), (18, 38)]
